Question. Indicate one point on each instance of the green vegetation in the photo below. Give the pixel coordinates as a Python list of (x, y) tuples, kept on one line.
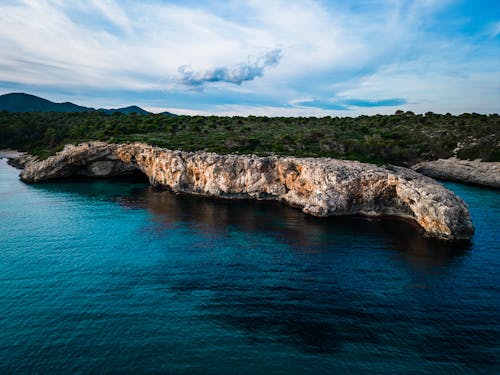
[(403, 138)]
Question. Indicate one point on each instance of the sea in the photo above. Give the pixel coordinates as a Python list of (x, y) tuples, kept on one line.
[(113, 276)]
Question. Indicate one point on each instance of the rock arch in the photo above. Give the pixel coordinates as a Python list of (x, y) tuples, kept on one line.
[(318, 186)]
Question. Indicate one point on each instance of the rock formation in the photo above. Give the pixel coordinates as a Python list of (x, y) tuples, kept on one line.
[(21, 160), (319, 186), (470, 171)]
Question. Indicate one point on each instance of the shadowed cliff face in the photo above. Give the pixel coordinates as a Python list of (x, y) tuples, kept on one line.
[(320, 187)]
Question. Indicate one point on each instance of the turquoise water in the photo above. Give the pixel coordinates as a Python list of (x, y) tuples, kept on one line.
[(115, 277)]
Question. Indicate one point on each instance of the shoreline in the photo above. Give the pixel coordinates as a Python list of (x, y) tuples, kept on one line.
[(470, 172), (317, 186), (11, 154), (473, 172)]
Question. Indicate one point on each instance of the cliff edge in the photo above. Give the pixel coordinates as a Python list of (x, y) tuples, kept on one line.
[(318, 186)]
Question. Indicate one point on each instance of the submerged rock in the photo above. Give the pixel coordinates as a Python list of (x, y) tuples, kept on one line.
[(470, 171), (318, 186)]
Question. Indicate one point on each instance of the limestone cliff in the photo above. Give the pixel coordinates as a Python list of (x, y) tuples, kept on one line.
[(470, 171), (319, 186)]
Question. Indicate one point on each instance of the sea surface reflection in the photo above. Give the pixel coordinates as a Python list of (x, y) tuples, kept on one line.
[(290, 226)]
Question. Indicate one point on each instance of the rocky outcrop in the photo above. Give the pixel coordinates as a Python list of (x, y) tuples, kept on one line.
[(469, 171), (20, 161), (8, 154), (94, 159), (318, 186), (16, 159)]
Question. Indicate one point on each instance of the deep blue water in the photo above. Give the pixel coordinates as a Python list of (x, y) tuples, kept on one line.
[(113, 276)]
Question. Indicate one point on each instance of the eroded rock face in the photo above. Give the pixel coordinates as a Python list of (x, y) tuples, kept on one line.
[(319, 186), (470, 171), (94, 159)]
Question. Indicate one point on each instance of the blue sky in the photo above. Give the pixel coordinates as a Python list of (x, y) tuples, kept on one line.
[(261, 57)]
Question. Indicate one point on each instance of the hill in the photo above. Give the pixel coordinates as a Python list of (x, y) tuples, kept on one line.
[(21, 102), (125, 110)]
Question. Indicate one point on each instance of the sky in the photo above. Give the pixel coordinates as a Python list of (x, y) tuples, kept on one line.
[(256, 57)]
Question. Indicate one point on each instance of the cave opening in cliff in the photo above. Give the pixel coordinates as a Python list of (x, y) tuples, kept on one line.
[(133, 175), (136, 176)]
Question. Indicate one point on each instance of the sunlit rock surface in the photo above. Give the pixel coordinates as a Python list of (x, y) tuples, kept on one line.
[(318, 186), (470, 171)]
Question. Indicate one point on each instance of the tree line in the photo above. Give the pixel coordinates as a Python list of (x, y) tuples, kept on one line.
[(402, 138)]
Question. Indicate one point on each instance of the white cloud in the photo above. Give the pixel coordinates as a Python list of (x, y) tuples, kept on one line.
[(495, 29), (243, 110), (113, 12), (367, 50), (154, 39), (58, 47), (238, 74)]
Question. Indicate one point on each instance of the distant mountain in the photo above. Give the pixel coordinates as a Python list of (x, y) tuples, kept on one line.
[(167, 113), (125, 110), (20, 102)]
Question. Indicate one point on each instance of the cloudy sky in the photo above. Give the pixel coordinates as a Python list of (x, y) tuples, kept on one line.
[(262, 57)]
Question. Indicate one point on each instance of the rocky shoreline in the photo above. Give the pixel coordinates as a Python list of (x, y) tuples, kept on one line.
[(468, 171), (10, 154), (318, 186)]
